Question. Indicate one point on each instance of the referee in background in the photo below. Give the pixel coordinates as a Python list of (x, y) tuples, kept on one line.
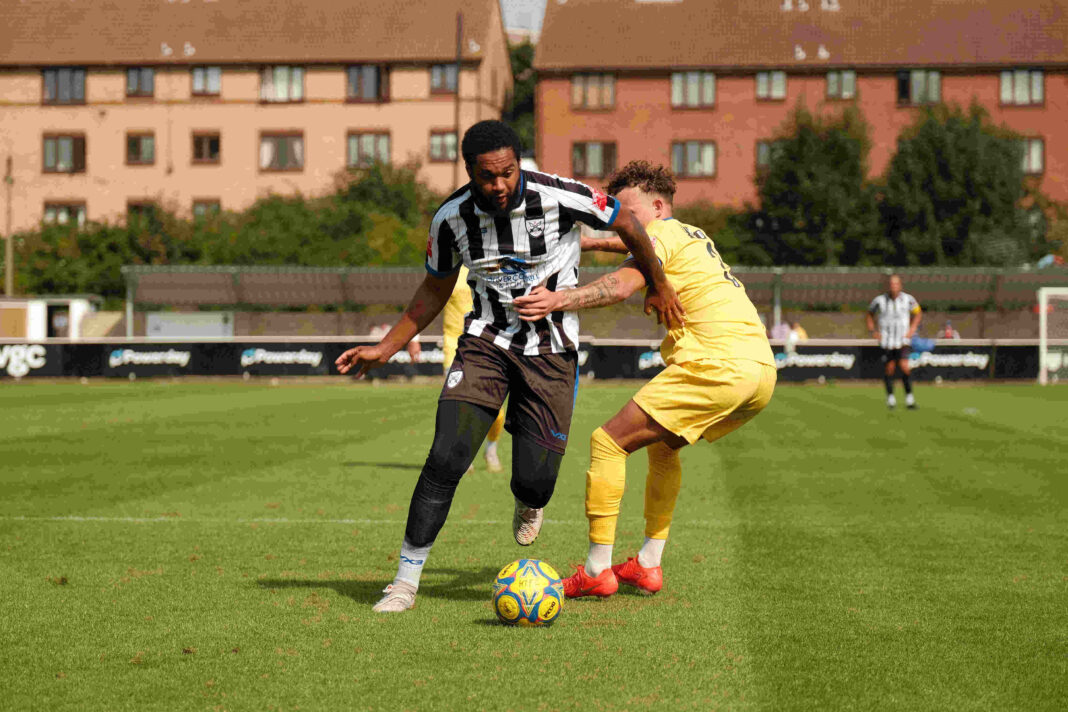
[(893, 318)]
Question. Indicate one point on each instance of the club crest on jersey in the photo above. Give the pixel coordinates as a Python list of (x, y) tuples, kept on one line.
[(536, 227), (430, 246), (454, 378)]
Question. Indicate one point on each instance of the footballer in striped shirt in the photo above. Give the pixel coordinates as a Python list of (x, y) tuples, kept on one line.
[(514, 230), (893, 318)]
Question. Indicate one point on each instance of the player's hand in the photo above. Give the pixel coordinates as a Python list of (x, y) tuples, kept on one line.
[(665, 301), (540, 303), (363, 358)]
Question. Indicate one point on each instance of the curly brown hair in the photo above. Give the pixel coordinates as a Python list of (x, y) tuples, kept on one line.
[(644, 176)]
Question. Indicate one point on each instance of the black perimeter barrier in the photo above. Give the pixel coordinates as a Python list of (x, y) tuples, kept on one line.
[(146, 359)]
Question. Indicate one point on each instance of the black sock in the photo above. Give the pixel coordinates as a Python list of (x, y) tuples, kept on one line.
[(889, 381), (534, 470), (907, 381), (459, 431)]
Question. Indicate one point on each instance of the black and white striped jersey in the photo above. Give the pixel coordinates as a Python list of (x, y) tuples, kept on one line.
[(893, 317), (508, 253)]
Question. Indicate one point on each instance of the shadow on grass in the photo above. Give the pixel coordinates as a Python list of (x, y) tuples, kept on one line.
[(384, 465), (466, 585)]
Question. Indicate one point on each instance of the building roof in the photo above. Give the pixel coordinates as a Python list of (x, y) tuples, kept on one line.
[(658, 34), (125, 32)]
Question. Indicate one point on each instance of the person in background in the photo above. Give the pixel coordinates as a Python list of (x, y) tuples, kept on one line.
[(948, 332), (892, 319)]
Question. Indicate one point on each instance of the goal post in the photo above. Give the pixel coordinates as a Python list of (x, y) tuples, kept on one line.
[(1052, 314)]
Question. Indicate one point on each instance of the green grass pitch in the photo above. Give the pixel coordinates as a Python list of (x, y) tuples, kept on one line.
[(218, 545)]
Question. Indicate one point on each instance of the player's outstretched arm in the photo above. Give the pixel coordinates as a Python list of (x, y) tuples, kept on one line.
[(661, 295), (603, 244), (427, 303), (609, 289)]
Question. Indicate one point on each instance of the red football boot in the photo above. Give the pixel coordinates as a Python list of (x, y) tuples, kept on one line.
[(646, 580), (582, 584)]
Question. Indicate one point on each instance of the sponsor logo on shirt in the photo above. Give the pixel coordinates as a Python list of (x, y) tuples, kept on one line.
[(454, 378)]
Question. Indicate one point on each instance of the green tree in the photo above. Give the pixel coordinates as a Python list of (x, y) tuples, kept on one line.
[(954, 192), (816, 207), (375, 216), (519, 106)]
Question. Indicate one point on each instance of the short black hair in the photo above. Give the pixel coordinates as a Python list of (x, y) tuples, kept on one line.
[(488, 136)]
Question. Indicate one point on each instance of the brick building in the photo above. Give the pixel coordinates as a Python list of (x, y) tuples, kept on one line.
[(703, 85), (201, 104)]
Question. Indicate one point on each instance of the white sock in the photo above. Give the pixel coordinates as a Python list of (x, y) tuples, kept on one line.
[(491, 449), (599, 558), (412, 559), (651, 552)]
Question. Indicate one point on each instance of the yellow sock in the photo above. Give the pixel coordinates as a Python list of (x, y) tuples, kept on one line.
[(662, 486), (605, 481), (497, 428)]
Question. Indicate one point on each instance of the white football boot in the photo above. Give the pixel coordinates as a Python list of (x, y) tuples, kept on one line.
[(400, 596), (526, 524)]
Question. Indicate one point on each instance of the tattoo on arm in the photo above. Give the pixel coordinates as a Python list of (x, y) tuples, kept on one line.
[(599, 293)]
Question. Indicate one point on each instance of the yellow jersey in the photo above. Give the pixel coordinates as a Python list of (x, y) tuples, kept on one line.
[(721, 322), (459, 304)]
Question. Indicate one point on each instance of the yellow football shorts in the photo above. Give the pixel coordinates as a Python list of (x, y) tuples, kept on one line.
[(707, 399)]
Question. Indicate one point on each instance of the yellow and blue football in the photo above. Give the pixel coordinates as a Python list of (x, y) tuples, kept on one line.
[(528, 592)]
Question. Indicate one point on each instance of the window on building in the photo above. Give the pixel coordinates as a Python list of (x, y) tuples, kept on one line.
[(281, 84), (206, 207), (766, 152), (1034, 150), (64, 85), (689, 89), (368, 148), (207, 147), (442, 145), (593, 91), (443, 78), (771, 85), (593, 159), (695, 159), (64, 153), (281, 152), (140, 81), (64, 214), (207, 81), (142, 210), (841, 84), (140, 149), (919, 86), (1023, 87), (367, 82)]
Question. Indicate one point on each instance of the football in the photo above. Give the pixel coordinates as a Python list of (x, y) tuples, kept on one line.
[(528, 592)]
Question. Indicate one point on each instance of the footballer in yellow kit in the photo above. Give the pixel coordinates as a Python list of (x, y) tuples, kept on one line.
[(719, 373), (452, 316)]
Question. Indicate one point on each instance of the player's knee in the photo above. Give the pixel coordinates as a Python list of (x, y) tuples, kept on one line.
[(448, 461)]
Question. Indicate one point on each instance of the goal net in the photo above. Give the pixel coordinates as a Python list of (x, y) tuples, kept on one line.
[(1052, 335)]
